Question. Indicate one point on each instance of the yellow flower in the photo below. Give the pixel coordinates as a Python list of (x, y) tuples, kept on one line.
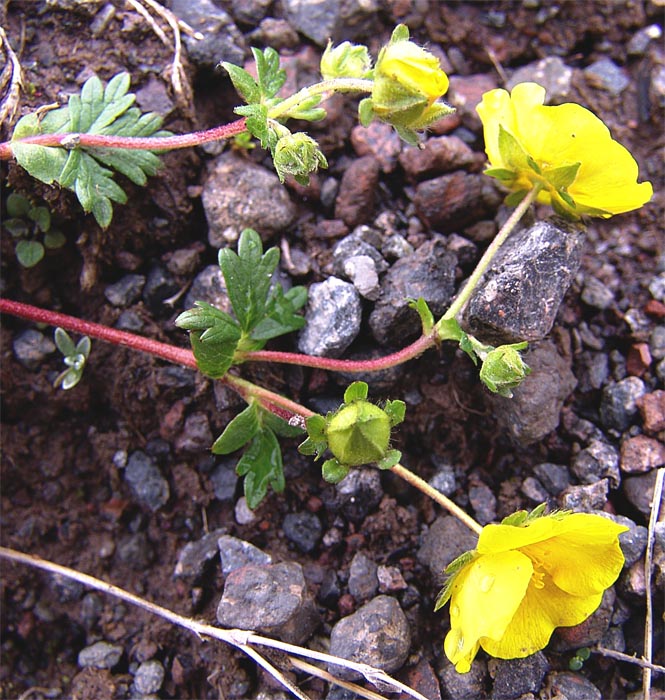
[(565, 149), (408, 81), (523, 580)]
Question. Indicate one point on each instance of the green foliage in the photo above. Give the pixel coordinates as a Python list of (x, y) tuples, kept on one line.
[(29, 223), (523, 517), (75, 357), (89, 171), (262, 310), (426, 317), (261, 462)]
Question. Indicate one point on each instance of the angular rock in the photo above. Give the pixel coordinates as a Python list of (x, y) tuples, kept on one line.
[(303, 530), (519, 295), (634, 541), (585, 499), (361, 270), (483, 502), (154, 97), (332, 319), (363, 581), (554, 477), (224, 481), (465, 94), (250, 11), (100, 655), (618, 404), (515, 677), (125, 291), (194, 556), (376, 634), (652, 409), (320, 20), (464, 686), (239, 194), (550, 72), (353, 246), (590, 631), (428, 273), (445, 540), (641, 454), (159, 286), (440, 154), (146, 481), (358, 493), (236, 553), (638, 490), (573, 686), (196, 436), (535, 407), (31, 348), (135, 551), (597, 461), (357, 192), (379, 140), (149, 677), (271, 599), (209, 286), (606, 75)]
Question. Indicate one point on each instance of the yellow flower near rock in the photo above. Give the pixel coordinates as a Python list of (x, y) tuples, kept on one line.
[(526, 577), (565, 149)]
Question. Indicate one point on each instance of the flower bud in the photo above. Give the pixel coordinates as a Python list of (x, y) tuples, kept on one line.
[(359, 433), (345, 61), (298, 155), (504, 369)]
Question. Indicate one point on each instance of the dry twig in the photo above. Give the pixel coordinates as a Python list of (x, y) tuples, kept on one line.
[(11, 82)]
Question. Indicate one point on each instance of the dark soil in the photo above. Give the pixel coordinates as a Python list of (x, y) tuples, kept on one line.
[(63, 497)]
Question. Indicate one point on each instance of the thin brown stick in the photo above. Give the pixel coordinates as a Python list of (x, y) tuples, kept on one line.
[(620, 656)]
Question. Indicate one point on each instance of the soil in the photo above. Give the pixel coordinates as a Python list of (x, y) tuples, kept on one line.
[(63, 497)]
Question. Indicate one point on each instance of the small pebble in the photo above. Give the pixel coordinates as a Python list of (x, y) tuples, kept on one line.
[(31, 348), (515, 677), (303, 530), (618, 405), (573, 686), (599, 460), (125, 291), (585, 499), (554, 477), (641, 454), (149, 677), (146, 481), (243, 513), (194, 556), (606, 75), (634, 541), (100, 655), (363, 581), (652, 409)]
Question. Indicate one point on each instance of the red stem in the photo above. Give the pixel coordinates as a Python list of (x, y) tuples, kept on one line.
[(292, 358), (142, 143), (168, 352)]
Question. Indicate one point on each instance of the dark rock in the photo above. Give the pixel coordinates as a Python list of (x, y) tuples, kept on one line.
[(250, 11), (618, 405), (277, 33), (450, 202), (222, 41), (534, 409), (554, 477), (239, 194), (149, 677), (136, 551), (465, 686), (376, 634), (573, 686), (320, 20), (352, 246), (657, 342), (515, 677), (209, 286), (422, 679), (641, 454), (634, 541), (154, 97), (534, 490), (585, 499), (357, 192), (31, 348), (125, 291), (592, 370), (129, 321), (236, 553), (195, 556), (330, 589), (303, 530), (363, 581), (146, 481), (224, 481), (175, 377), (428, 273), (483, 502), (272, 599), (100, 655), (638, 490), (333, 318), (358, 493), (159, 286), (550, 72), (379, 140), (196, 435), (590, 631), (597, 461), (445, 540), (66, 589), (440, 154), (519, 295)]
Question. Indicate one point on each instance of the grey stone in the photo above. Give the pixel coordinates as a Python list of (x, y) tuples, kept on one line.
[(657, 287), (535, 407), (159, 286), (597, 461), (136, 551), (239, 194), (657, 343), (361, 270), (586, 498), (175, 377), (534, 490), (125, 291), (236, 553), (444, 480), (444, 541), (354, 245), (638, 490), (209, 286), (303, 530), (196, 435), (465, 686), (146, 481), (363, 581), (376, 634), (592, 370), (519, 295), (222, 41), (332, 319), (320, 20), (618, 405), (129, 321), (272, 599), (149, 677), (395, 247), (428, 273), (195, 556), (633, 542), (554, 477), (573, 686), (606, 75), (515, 677), (243, 513), (250, 11), (657, 87), (154, 97), (640, 41), (358, 493), (31, 348), (224, 481), (330, 589), (596, 294), (100, 655), (483, 502), (550, 72)]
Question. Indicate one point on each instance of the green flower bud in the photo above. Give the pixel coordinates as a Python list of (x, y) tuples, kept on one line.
[(298, 155), (359, 433), (504, 369), (345, 61)]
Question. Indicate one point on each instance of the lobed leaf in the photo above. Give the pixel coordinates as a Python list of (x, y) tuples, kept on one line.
[(261, 465), (238, 432)]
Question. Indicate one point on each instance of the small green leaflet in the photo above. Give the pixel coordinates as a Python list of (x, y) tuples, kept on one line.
[(238, 432), (261, 465), (97, 110)]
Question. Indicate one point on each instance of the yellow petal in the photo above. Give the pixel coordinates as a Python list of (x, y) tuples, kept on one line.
[(542, 610), (485, 596)]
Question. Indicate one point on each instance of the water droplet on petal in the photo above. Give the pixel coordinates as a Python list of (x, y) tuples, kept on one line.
[(486, 583)]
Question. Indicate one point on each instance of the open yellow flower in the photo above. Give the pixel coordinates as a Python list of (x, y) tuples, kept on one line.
[(565, 149), (523, 580)]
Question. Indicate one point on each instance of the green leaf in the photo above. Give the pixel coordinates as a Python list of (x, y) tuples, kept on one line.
[(213, 358), (243, 82), (316, 442), (426, 316), (279, 426), (42, 217), (333, 472), (511, 151), (18, 206), (261, 465), (501, 174), (29, 253), (54, 239), (270, 76), (396, 410), (514, 198), (17, 227), (64, 343), (366, 112), (356, 391), (281, 313), (390, 460), (238, 432)]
